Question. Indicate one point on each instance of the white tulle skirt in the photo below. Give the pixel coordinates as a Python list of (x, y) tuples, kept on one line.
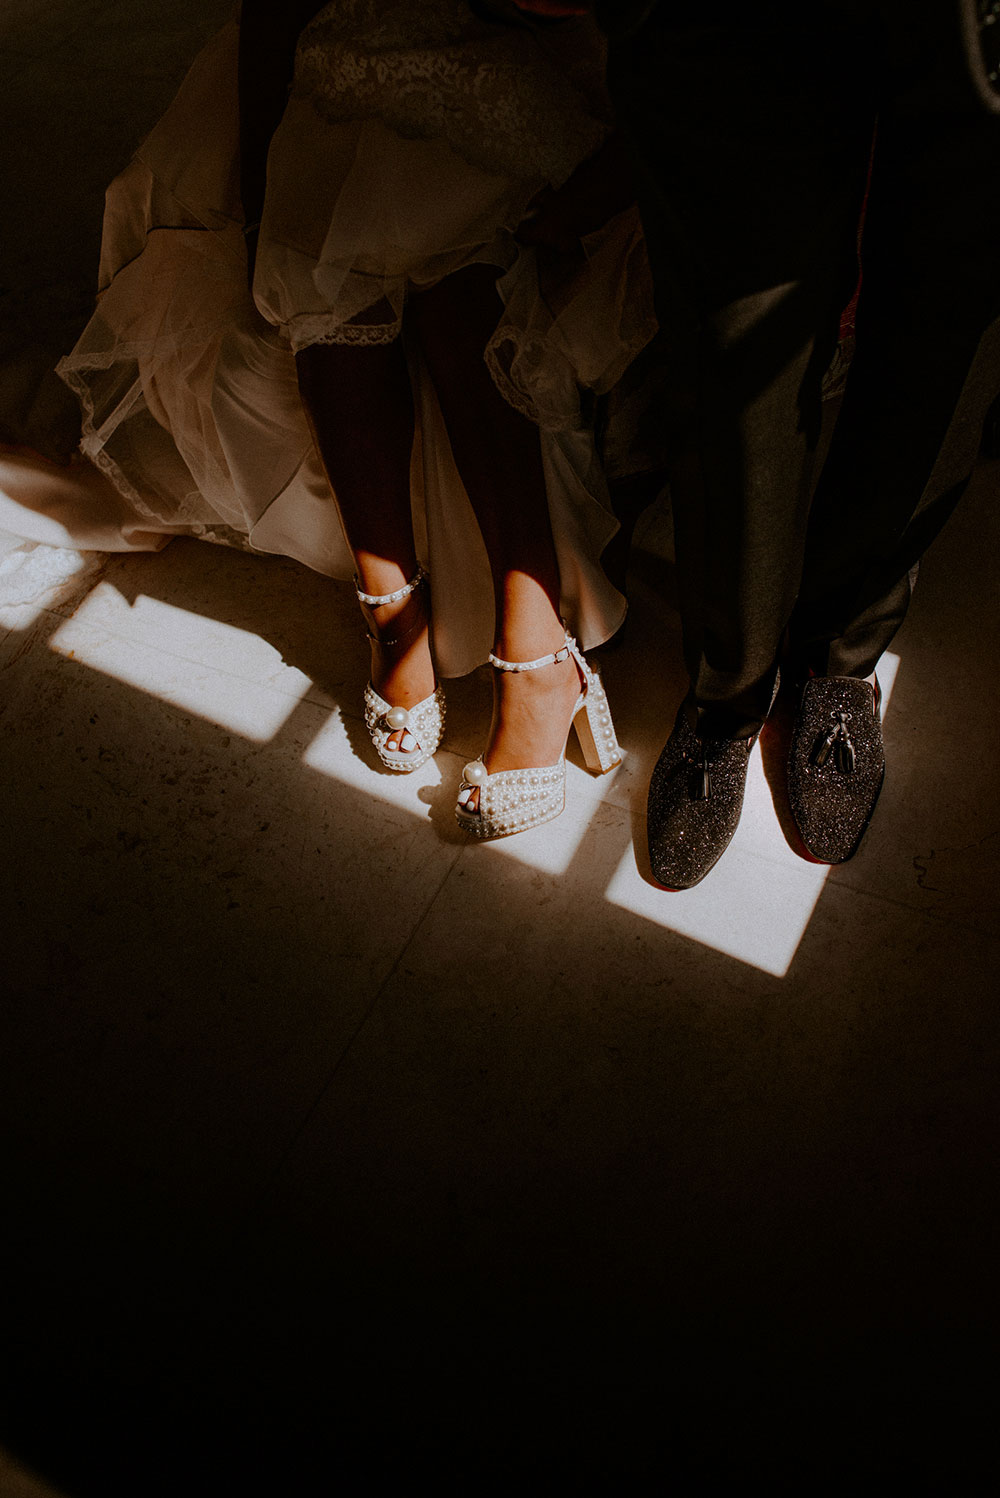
[(187, 383)]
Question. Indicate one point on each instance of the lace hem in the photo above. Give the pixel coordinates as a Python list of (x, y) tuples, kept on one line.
[(91, 441), (93, 445), (221, 535), (514, 396), (304, 334)]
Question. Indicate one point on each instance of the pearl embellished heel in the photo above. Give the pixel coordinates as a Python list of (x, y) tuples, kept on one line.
[(513, 800), (424, 722)]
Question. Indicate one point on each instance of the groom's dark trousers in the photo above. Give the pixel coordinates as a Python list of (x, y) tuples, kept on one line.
[(751, 129)]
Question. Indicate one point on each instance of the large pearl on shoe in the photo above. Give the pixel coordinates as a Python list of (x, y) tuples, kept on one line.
[(475, 773), (397, 717)]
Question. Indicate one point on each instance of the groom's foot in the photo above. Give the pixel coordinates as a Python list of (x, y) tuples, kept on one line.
[(695, 800), (836, 764)]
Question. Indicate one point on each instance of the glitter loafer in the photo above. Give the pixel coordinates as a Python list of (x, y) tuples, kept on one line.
[(425, 721), (836, 765), (695, 800), (513, 800)]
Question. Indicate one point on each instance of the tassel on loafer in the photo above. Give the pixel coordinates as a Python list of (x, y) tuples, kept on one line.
[(836, 764), (694, 805)]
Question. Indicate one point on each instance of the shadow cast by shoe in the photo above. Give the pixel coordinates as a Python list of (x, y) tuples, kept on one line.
[(360, 743), (440, 802), (640, 843)]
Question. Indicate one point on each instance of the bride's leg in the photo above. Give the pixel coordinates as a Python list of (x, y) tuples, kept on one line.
[(360, 407), (498, 456)]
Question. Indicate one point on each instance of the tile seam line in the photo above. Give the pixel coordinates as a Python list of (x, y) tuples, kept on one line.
[(897, 904), (348, 1045), (828, 885), (126, 639), (304, 700)]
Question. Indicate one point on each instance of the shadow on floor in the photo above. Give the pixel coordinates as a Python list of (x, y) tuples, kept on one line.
[(297, 1202)]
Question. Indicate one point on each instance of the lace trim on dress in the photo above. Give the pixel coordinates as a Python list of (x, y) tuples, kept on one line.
[(304, 333), (221, 535), (430, 70), (93, 444), (514, 395), (92, 447), (91, 441)]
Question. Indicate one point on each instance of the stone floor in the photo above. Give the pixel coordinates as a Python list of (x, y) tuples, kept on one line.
[(339, 1151)]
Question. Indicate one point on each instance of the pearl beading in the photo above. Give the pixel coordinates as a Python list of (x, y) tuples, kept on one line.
[(375, 600), (543, 660), (515, 800), (595, 728), (425, 722)]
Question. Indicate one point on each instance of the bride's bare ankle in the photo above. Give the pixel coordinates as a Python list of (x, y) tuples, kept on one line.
[(392, 626), (402, 667), (531, 715), (524, 641)]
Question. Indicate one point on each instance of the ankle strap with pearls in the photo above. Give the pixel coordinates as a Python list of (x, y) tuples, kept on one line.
[(563, 653), (375, 600)]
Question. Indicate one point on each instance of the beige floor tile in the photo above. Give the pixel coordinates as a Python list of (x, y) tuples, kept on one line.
[(15, 620), (179, 633), (261, 619)]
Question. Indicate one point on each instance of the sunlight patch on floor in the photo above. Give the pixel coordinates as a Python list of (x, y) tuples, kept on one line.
[(755, 906), (160, 649), (747, 907), (34, 577), (551, 849)]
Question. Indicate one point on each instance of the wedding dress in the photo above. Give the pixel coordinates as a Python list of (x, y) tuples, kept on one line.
[(414, 139)]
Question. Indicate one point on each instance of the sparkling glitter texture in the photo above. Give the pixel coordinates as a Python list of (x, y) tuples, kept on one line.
[(836, 765), (688, 829)]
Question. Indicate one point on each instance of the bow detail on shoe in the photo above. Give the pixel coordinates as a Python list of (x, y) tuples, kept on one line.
[(837, 741)]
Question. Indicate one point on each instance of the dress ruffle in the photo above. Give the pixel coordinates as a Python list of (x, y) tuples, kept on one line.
[(188, 385)]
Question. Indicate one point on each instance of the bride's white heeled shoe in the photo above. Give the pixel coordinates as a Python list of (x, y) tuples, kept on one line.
[(424, 722), (513, 800)]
